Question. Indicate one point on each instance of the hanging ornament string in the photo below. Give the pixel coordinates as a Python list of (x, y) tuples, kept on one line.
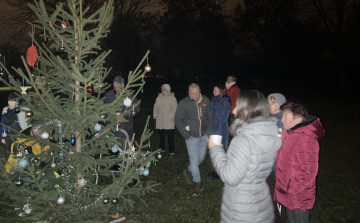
[(32, 35), (32, 53)]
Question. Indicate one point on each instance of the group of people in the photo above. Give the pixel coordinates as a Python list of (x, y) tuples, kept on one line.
[(271, 164)]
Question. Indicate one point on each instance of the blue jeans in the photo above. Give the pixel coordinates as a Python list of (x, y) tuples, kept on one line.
[(298, 216), (197, 150)]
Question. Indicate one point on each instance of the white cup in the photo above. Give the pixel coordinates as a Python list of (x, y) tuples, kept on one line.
[(216, 139)]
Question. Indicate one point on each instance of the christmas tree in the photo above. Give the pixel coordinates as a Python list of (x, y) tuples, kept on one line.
[(72, 125)]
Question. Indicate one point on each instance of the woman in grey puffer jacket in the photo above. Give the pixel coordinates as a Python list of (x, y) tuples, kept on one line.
[(248, 161)]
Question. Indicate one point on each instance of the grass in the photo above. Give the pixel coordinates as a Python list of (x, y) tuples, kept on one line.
[(338, 181)]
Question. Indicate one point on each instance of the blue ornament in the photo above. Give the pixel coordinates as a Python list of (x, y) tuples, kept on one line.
[(16, 110), (146, 172), (23, 163), (114, 149), (98, 127), (73, 140)]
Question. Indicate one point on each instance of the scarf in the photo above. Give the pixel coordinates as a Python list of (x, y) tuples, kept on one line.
[(229, 85)]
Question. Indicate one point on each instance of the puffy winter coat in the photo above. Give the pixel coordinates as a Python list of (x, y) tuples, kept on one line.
[(297, 165), (233, 93), (244, 169), (221, 107), (164, 111)]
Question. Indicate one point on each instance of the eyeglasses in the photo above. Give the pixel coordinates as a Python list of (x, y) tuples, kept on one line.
[(271, 102)]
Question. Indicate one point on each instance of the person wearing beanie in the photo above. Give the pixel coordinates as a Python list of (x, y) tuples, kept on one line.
[(275, 101), (164, 113), (128, 126), (9, 119)]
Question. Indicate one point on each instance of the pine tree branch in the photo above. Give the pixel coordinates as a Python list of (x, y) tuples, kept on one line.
[(58, 211), (37, 91)]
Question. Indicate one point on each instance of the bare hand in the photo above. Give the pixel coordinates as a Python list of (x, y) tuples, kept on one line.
[(189, 138), (211, 143), (5, 109), (3, 141)]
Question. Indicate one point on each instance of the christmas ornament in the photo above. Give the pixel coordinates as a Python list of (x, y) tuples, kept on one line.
[(23, 163), (60, 200), (27, 209), (127, 102), (1, 71), (103, 116), (148, 164), (90, 89), (100, 85), (106, 200), (4, 134), (115, 148), (147, 67), (44, 135), (133, 113), (53, 165), (16, 110), (64, 24), (29, 113), (159, 156), (31, 56), (23, 89), (142, 168), (73, 140), (82, 182), (146, 172), (114, 200), (98, 127), (19, 182)]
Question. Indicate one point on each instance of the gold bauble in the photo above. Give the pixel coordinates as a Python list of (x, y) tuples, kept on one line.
[(147, 68), (29, 113)]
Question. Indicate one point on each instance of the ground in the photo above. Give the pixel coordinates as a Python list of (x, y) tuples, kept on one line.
[(338, 191)]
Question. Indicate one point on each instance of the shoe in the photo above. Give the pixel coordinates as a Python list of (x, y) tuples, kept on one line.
[(172, 154), (197, 188), (212, 173), (188, 176), (216, 176)]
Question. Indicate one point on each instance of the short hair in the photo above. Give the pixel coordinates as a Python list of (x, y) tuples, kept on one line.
[(296, 108), (194, 85), (233, 77), (222, 90)]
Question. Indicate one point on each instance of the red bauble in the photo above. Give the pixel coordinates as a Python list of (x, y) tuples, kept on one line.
[(31, 56), (90, 89)]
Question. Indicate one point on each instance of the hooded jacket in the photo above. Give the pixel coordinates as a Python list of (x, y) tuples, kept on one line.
[(194, 119), (244, 169), (221, 107), (164, 111), (297, 165)]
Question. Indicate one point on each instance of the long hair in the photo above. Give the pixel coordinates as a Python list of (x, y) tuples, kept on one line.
[(222, 90), (249, 105)]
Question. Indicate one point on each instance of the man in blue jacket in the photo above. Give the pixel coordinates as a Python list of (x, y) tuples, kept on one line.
[(194, 119)]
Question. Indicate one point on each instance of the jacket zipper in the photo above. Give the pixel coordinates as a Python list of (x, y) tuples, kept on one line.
[(199, 111)]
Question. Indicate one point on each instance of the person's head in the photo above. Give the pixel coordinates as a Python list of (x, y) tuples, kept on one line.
[(194, 91), (219, 90), (251, 104), (12, 100), (165, 88), (293, 114), (230, 79), (275, 101), (118, 82)]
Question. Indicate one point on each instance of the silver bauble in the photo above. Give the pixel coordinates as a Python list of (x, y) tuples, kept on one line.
[(159, 156), (4, 134), (147, 68), (103, 116), (27, 209), (82, 182), (45, 135), (60, 200), (53, 165), (127, 102), (133, 113)]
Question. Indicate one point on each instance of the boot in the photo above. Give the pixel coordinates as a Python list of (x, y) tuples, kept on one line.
[(216, 176), (212, 173), (188, 176), (197, 188)]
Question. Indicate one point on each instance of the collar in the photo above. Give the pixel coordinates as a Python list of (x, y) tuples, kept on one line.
[(229, 85)]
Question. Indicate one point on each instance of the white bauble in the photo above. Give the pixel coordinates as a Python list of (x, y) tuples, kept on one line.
[(4, 134), (45, 135), (82, 182), (60, 200), (127, 102), (53, 165)]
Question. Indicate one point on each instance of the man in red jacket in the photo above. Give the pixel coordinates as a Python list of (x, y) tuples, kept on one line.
[(297, 162)]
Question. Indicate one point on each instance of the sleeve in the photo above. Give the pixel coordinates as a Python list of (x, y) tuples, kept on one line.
[(180, 121), (210, 119), (155, 108), (224, 111), (308, 156), (231, 166), (106, 96), (173, 108)]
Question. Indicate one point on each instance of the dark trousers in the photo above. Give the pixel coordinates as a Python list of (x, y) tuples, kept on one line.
[(298, 216), (170, 136), (279, 217)]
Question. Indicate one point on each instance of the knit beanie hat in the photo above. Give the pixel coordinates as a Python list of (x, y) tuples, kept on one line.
[(280, 99), (12, 97), (167, 87), (119, 79)]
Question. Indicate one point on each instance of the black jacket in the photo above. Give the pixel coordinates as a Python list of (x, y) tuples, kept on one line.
[(198, 116)]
